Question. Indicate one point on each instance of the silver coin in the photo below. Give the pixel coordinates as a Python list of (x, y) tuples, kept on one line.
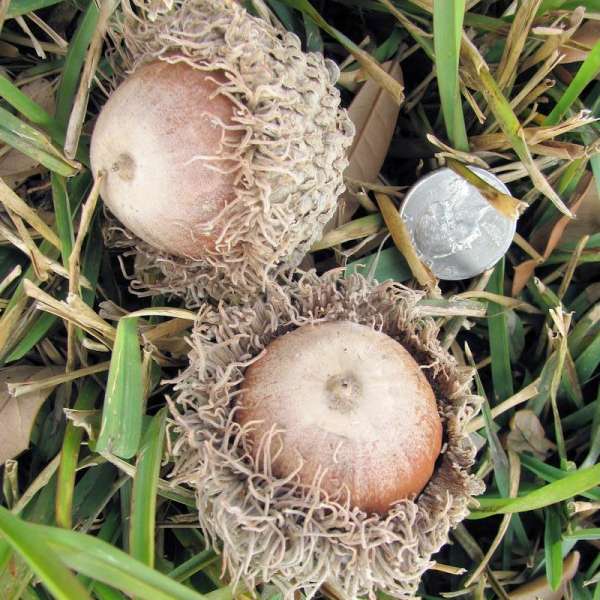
[(457, 233)]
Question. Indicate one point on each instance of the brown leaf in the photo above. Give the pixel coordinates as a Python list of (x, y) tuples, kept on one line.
[(588, 217), (539, 589), (525, 270), (579, 46), (14, 163), (528, 435), (17, 415), (374, 114)]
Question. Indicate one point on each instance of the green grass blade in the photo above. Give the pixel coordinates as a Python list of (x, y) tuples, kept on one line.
[(32, 547), (105, 592), (74, 63), (30, 109), (314, 42), (145, 483), (498, 338), (124, 400), (35, 144), (17, 8), (590, 533), (553, 548), (549, 473), (594, 451), (574, 484), (101, 561), (588, 360), (382, 266), (69, 455), (92, 258), (193, 565), (36, 332), (447, 33), (586, 73), (64, 218)]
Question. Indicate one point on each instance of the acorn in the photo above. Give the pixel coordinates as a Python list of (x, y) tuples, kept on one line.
[(324, 430), (352, 402), (223, 148)]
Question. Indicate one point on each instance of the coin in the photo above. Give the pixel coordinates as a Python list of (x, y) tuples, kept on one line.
[(456, 232)]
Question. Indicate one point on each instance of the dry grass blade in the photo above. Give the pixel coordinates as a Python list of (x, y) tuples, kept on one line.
[(20, 208), (505, 301), (528, 392), (515, 477), (532, 135), (21, 389), (87, 213), (91, 64), (72, 311), (500, 107), (41, 264), (418, 34), (554, 42), (4, 5), (449, 152), (354, 230), (506, 205), (401, 238), (14, 274), (515, 42), (540, 78)]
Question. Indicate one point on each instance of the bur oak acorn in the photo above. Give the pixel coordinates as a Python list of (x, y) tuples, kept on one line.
[(224, 146)]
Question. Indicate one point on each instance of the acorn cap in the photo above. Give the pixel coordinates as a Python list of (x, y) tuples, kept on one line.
[(273, 526)]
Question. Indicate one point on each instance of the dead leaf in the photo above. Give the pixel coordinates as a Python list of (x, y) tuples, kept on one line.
[(553, 234), (17, 415), (588, 217), (374, 114), (8, 50), (583, 40), (89, 420), (528, 435), (539, 589), (14, 163)]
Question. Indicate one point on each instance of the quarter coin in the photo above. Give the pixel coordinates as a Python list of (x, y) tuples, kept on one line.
[(457, 233)]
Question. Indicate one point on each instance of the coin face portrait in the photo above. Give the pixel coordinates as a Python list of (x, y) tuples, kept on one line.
[(455, 230)]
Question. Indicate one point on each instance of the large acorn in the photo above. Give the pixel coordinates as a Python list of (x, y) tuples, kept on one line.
[(323, 429), (223, 148)]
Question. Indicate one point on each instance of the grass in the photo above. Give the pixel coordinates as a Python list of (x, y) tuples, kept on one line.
[(88, 510)]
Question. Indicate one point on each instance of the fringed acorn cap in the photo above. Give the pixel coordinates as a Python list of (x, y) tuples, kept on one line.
[(272, 528), (289, 154)]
